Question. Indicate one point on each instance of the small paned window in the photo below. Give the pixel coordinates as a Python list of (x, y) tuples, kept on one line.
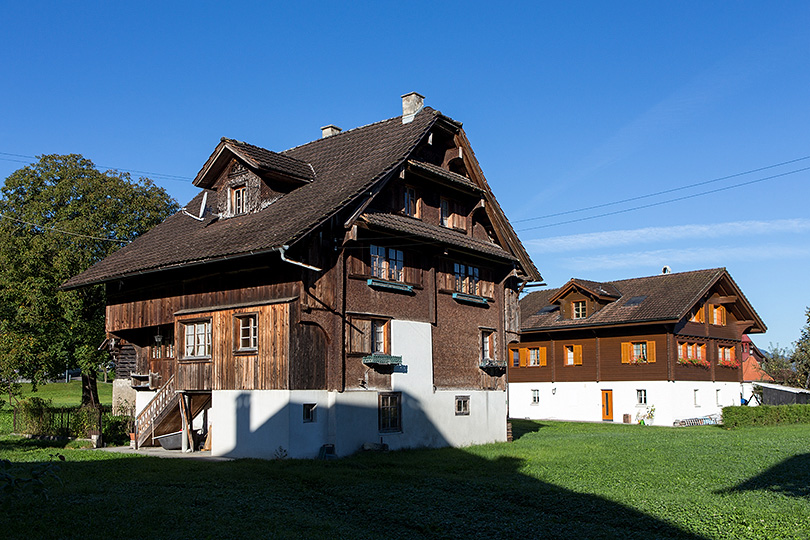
[(247, 332), (309, 412), (573, 355), (638, 352), (726, 356), (410, 207), (534, 357), (535, 397), (718, 315), (239, 200), (579, 310), (515, 357), (197, 339), (696, 397), (487, 346), (445, 213), (466, 279), (462, 405), (717, 397), (387, 263), (390, 412), (641, 397), (379, 343)]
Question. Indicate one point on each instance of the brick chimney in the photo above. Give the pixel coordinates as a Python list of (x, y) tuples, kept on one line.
[(412, 103), (328, 131)]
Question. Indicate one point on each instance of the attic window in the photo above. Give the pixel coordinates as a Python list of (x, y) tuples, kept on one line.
[(634, 301), (239, 199), (579, 309)]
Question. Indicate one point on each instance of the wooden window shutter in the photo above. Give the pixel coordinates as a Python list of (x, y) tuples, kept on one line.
[(733, 353), (413, 268), (701, 315), (487, 288), (627, 352), (650, 352), (360, 336), (387, 337), (542, 356), (722, 311), (524, 353), (577, 355)]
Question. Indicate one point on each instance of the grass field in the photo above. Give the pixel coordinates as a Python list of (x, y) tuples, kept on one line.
[(557, 480), (65, 394)]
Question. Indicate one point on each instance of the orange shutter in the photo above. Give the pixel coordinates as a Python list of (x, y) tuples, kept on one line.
[(733, 355), (722, 315), (542, 356), (699, 316), (627, 352), (650, 352), (524, 352), (577, 355)]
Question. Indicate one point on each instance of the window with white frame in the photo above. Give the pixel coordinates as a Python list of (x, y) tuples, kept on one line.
[(487, 346), (387, 263), (717, 397), (696, 397), (197, 339), (246, 331), (535, 397), (579, 309), (534, 356), (462, 405), (641, 397)]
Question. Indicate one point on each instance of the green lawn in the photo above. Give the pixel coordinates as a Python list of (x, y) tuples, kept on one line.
[(66, 394), (558, 480)]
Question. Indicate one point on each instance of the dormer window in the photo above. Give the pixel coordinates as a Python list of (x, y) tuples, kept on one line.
[(578, 309), (239, 200)]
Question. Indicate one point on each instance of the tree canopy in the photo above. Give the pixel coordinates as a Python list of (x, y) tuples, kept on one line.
[(58, 217)]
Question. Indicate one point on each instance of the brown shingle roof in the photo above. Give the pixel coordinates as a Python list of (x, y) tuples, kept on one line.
[(441, 235), (669, 297), (345, 166), (273, 161)]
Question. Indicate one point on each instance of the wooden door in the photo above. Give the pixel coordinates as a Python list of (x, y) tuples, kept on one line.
[(607, 405)]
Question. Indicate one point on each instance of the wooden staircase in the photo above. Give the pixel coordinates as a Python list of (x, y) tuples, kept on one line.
[(164, 413)]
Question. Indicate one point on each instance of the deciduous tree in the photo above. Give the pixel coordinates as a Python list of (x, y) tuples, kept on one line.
[(58, 217)]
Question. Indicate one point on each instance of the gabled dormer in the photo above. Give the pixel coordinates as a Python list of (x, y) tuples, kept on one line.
[(580, 299), (723, 305), (247, 178)]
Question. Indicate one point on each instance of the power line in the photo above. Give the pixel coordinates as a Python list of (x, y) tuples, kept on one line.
[(172, 177), (659, 203), (57, 229), (631, 199)]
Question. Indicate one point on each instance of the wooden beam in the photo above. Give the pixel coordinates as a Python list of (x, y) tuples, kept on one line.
[(723, 300)]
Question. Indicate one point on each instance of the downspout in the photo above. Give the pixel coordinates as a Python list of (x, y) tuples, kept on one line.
[(283, 249)]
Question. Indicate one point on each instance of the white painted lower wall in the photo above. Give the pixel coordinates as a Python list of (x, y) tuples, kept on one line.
[(269, 423), (582, 401)]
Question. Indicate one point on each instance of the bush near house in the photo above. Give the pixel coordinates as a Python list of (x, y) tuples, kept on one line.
[(766, 415)]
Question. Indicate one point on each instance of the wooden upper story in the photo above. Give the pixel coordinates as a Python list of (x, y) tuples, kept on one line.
[(686, 326)]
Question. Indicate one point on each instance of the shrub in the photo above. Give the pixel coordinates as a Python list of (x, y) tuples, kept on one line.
[(115, 429), (766, 415), (34, 416)]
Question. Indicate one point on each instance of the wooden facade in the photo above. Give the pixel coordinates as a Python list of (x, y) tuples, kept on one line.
[(687, 342)]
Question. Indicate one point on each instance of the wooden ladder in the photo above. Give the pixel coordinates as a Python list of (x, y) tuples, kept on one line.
[(165, 399)]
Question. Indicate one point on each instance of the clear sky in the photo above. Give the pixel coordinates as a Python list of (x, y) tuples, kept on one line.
[(568, 105)]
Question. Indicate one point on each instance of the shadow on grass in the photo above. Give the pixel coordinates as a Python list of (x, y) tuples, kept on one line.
[(790, 477), (523, 427), (445, 493)]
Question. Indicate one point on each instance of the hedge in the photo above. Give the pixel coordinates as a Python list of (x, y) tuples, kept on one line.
[(766, 415), (36, 416)]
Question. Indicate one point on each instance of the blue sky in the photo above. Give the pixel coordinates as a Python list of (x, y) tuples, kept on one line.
[(568, 105)]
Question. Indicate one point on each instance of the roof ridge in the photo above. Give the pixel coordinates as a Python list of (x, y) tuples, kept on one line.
[(315, 141), (244, 143)]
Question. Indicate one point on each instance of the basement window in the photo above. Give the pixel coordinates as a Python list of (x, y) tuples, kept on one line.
[(309, 412), (462, 405), (641, 397), (390, 412)]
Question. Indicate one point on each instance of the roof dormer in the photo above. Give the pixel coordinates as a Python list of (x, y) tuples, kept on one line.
[(579, 298), (248, 178)]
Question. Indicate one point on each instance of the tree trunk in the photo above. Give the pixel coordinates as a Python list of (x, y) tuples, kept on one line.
[(89, 390)]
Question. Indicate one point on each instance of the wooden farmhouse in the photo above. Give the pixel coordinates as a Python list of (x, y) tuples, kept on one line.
[(361, 288), (611, 351)]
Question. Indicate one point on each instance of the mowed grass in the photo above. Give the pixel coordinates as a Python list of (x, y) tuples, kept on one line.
[(557, 480), (65, 394)]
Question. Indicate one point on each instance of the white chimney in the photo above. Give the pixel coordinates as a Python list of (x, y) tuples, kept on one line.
[(328, 131), (412, 103)]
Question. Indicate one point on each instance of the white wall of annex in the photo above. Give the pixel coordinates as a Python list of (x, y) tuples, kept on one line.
[(582, 401)]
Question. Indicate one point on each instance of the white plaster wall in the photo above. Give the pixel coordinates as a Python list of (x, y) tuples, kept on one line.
[(256, 423), (142, 399), (582, 401)]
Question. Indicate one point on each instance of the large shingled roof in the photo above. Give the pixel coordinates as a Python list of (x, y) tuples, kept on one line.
[(345, 165), (668, 297)]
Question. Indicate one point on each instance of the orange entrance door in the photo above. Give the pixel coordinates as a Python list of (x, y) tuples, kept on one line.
[(607, 405)]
